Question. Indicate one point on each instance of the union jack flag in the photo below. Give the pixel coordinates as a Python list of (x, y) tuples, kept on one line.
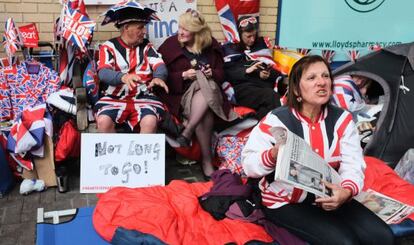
[(77, 28), (303, 51), (262, 51), (353, 54), (347, 94), (79, 5), (229, 12), (5, 103), (228, 23), (11, 40), (375, 47), (328, 55), (28, 132), (66, 50), (91, 82)]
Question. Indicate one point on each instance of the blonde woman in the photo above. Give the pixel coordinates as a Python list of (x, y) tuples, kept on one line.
[(195, 71)]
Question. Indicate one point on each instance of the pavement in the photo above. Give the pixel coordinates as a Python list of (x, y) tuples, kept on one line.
[(18, 213)]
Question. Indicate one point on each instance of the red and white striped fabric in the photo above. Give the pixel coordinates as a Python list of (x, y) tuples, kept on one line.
[(342, 152), (142, 60)]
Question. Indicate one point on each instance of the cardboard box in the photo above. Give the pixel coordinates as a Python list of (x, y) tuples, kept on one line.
[(44, 167)]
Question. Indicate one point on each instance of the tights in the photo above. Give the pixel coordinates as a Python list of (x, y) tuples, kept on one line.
[(201, 121)]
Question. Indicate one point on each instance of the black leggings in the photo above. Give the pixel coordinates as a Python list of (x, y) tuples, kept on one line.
[(352, 223)]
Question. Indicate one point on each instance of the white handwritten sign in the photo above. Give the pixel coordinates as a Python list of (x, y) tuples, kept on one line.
[(130, 160)]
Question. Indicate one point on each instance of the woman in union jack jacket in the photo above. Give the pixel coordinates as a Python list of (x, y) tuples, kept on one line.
[(331, 132)]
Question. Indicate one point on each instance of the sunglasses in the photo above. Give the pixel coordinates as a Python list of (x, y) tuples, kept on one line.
[(245, 22), (193, 12)]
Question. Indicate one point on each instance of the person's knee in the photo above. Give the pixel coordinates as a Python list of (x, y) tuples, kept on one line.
[(148, 124), (381, 235), (105, 124)]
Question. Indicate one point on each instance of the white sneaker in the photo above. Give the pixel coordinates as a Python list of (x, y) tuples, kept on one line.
[(29, 185)]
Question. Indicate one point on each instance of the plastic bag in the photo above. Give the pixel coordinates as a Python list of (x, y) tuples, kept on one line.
[(405, 167)]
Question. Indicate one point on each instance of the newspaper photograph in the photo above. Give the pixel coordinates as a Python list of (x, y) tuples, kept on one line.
[(298, 165), (388, 209)]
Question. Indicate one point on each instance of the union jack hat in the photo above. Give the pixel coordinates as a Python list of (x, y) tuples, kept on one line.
[(128, 11)]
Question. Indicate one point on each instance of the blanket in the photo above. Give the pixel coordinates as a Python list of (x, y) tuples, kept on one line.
[(173, 214)]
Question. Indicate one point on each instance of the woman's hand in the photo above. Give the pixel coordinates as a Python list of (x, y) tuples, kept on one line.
[(254, 67), (208, 72), (339, 196), (158, 82), (189, 74), (264, 74), (274, 151)]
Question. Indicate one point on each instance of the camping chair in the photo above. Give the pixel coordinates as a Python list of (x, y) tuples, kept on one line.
[(46, 54), (78, 230)]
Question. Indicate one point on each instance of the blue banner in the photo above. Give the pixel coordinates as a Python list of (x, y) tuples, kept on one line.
[(344, 25)]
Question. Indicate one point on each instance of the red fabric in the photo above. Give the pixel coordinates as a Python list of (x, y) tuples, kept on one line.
[(240, 7), (381, 178), (68, 144), (243, 111), (171, 213)]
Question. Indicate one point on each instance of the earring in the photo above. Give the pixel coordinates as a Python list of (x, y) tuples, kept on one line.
[(299, 99)]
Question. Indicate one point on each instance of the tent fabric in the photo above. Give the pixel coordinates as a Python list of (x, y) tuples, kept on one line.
[(392, 70), (173, 214), (79, 230)]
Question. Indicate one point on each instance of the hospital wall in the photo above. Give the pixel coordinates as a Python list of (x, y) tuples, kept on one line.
[(45, 12)]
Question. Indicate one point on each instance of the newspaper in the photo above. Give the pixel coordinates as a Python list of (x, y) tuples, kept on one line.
[(297, 164), (388, 209)]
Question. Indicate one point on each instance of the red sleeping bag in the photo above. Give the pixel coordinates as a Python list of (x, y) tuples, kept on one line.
[(173, 214)]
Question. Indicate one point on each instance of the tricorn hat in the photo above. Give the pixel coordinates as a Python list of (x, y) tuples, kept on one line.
[(128, 11)]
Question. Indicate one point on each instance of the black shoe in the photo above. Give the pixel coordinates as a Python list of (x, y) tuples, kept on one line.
[(206, 178), (169, 126), (183, 141)]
